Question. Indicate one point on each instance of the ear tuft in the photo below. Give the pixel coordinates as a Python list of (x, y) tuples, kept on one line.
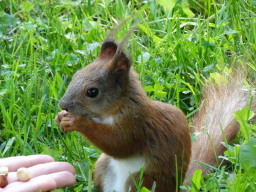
[(108, 49), (121, 61)]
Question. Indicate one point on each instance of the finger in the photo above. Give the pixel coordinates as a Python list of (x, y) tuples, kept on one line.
[(14, 163), (67, 119), (34, 185), (57, 119), (44, 169), (63, 113), (65, 125), (60, 115), (64, 179), (43, 183)]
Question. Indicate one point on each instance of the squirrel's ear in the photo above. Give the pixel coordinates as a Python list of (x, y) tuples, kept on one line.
[(119, 67), (120, 62), (108, 49)]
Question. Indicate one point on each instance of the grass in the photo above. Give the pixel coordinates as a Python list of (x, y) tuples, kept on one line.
[(175, 47)]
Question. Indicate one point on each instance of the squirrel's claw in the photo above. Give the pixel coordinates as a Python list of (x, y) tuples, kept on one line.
[(62, 130)]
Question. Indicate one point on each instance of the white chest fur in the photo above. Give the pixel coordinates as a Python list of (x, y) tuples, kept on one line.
[(119, 172), (107, 121)]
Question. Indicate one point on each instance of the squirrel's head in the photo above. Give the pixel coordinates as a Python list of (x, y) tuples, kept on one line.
[(99, 87)]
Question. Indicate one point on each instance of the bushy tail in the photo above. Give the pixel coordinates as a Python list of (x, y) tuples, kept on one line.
[(220, 101)]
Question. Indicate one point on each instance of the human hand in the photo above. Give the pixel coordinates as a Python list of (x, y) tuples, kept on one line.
[(46, 174)]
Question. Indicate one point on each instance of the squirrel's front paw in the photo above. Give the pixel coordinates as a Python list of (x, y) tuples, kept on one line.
[(59, 116), (67, 121)]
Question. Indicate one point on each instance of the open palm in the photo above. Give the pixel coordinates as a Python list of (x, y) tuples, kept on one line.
[(46, 174)]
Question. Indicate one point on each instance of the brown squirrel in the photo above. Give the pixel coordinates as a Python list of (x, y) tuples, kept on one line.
[(106, 103)]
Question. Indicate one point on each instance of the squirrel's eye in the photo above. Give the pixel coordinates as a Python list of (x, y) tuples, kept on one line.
[(92, 92)]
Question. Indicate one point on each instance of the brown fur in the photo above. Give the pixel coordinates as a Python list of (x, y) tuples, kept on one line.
[(142, 127), (220, 101), (159, 132), (154, 130)]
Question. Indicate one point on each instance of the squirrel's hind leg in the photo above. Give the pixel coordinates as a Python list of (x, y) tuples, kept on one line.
[(101, 171)]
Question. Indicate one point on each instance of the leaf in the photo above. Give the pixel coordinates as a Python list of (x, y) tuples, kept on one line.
[(143, 58), (169, 86), (187, 11), (92, 46), (208, 68), (82, 52), (27, 6), (196, 180), (241, 117), (167, 4), (71, 36), (232, 153), (160, 94), (8, 145), (158, 87), (7, 20), (89, 25), (55, 153), (194, 135), (149, 88), (3, 92), (158, 91), (189, 23), (144, 190), (53, 53), (91, 152), (72, 60), (231, 32), (217, 78), (28, 26), (153, 187), (248, 157), (79, 187)]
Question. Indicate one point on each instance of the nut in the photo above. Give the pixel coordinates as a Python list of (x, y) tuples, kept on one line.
[(3, 181), (4, 171), (23, 174)]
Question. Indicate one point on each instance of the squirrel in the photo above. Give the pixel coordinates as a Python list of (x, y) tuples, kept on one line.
[(106, 104)]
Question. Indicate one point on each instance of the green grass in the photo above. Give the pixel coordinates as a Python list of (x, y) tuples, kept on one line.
[(175, 47)]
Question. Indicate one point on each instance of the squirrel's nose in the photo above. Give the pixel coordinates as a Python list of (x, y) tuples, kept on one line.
[(63, 105)]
